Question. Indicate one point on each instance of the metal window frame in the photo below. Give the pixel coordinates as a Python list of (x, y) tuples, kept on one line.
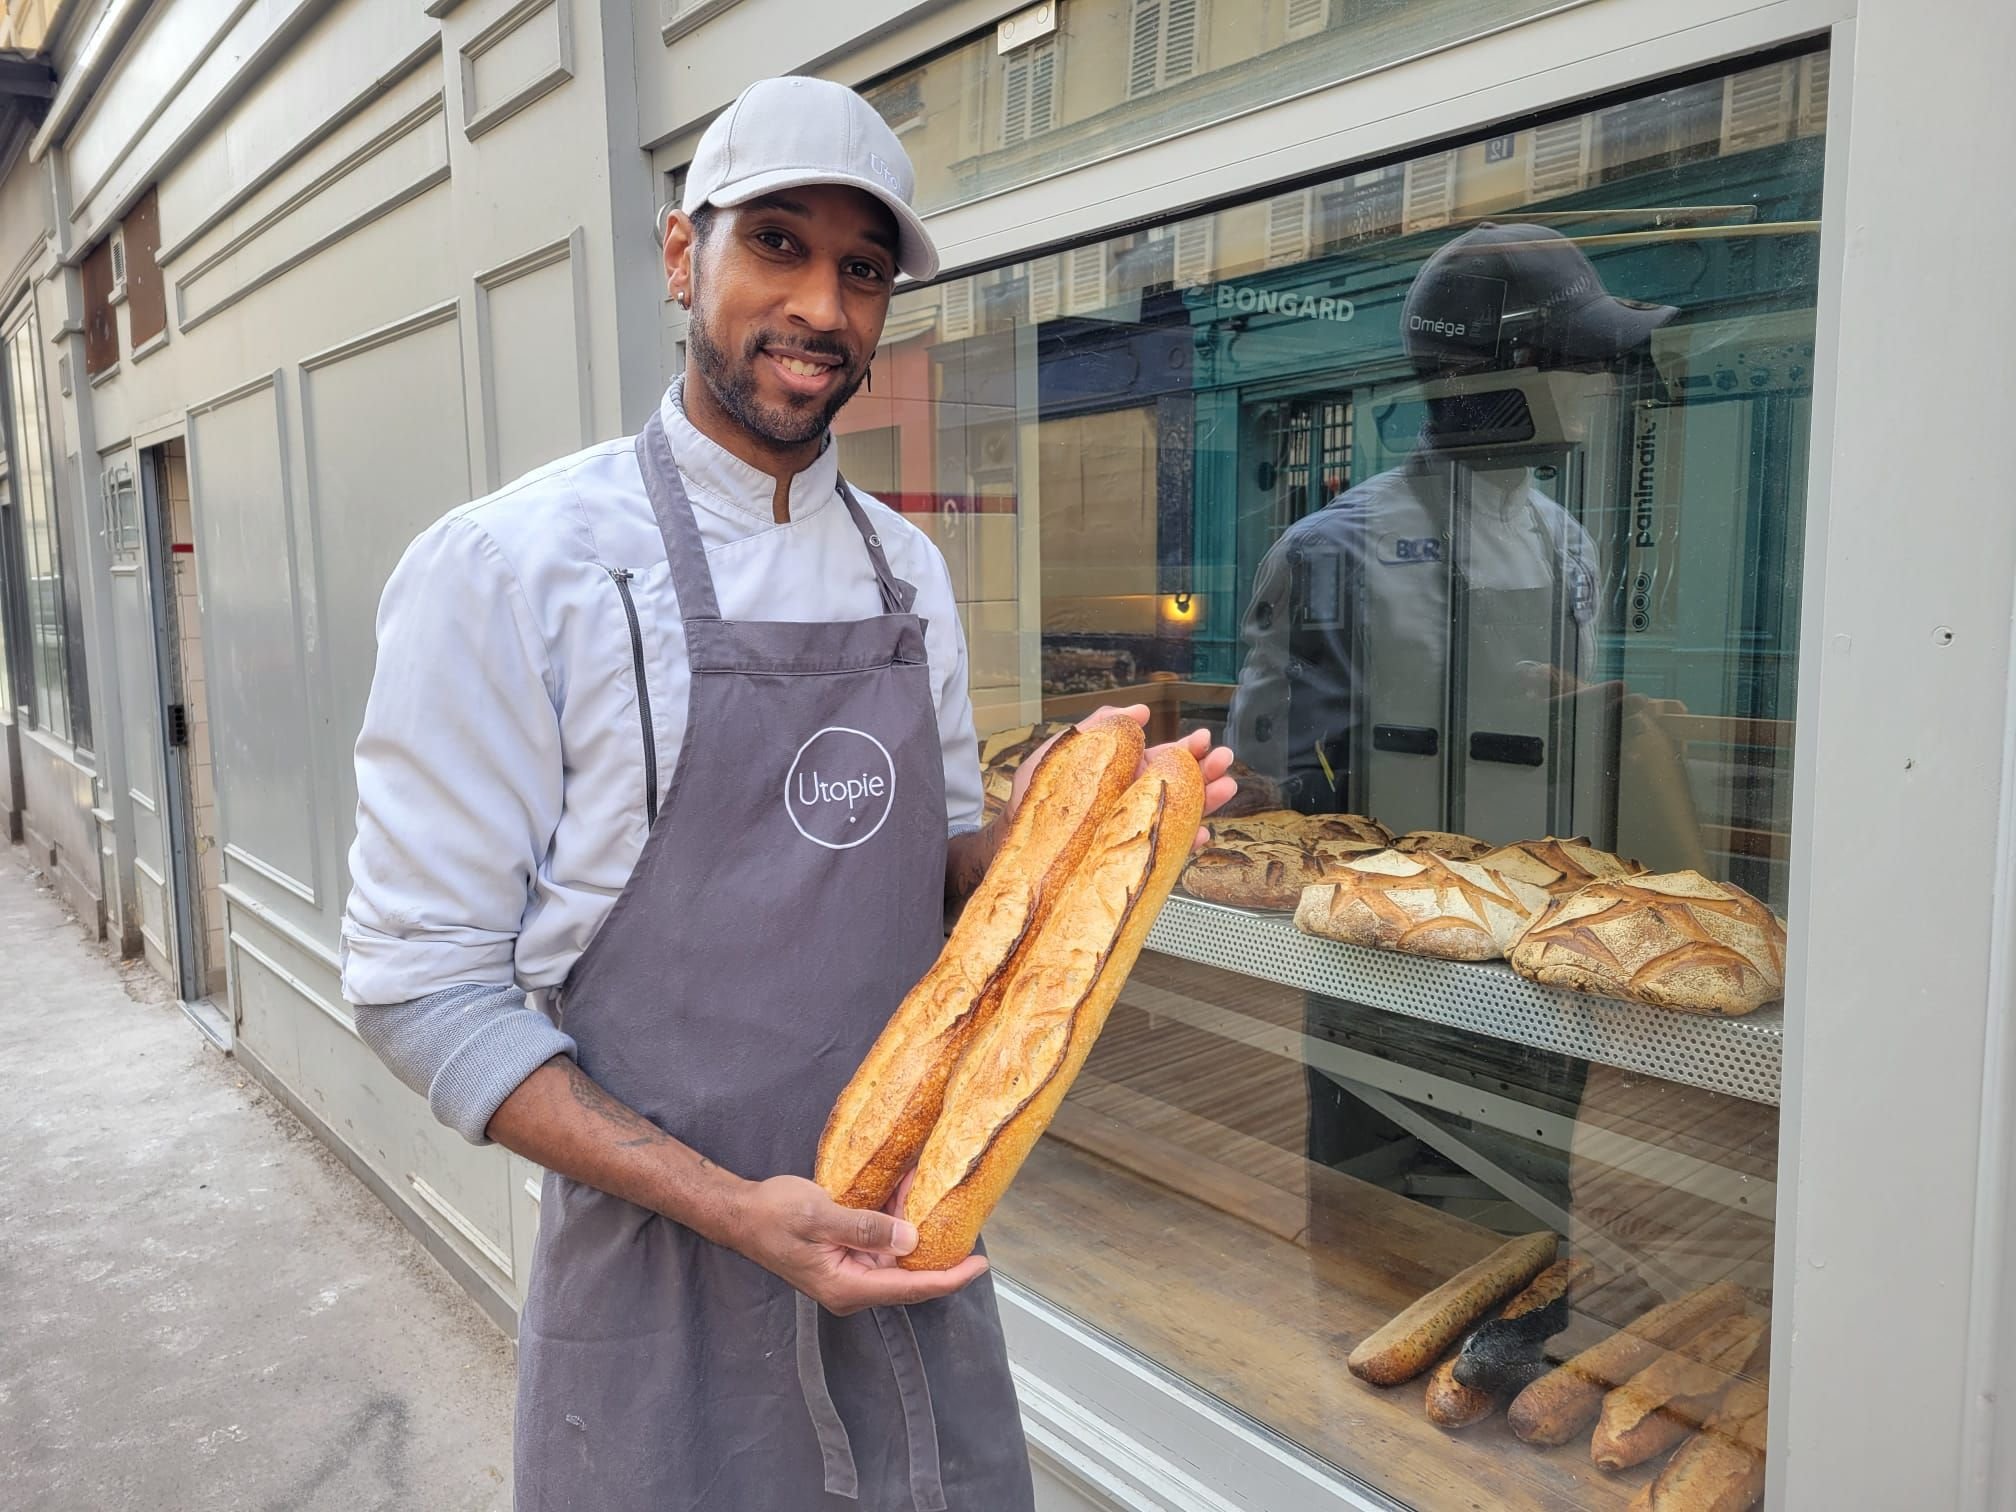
[(1898, 1207)]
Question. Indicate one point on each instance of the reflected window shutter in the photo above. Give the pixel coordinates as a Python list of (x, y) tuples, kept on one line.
[(1042, 87), (1180, 41), (1558, 162), (958, 319), (1757, 108), (1813, 94), (1307, 17), (1088, 278), (1046, 286), (1196, 251), (1429, 198), (1287, 228), (1015, 100), (1145, 47)]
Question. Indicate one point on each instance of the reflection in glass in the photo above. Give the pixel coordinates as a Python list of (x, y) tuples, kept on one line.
[(1468, 494)]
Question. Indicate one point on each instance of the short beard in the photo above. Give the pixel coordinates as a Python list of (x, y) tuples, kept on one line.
[(733, 385)]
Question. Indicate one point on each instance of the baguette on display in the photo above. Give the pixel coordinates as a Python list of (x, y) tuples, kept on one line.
[(1418, 1336), (1675, 940), (1015, 1071), (1721, 1468), (1674, 1395), (1565, 1401), (881, 1119), (1421, 904)]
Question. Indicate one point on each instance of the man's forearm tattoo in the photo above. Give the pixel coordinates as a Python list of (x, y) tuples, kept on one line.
[(640, 1131)]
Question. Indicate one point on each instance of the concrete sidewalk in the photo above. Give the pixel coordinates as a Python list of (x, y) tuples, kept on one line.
[(199, 1307)]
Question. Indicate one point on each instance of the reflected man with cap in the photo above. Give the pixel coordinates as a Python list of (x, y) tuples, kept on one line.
[(667, 776), (1350, 619)]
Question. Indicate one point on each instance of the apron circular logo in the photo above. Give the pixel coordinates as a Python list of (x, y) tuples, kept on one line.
[(840, 788)]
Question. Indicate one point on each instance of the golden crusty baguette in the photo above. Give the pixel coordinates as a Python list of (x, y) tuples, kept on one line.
[(1416, 1338), (884, 1114), (1017, 1069), (1721, 1468), (1564, 1401), (1451, 1404), (1674, 1395)]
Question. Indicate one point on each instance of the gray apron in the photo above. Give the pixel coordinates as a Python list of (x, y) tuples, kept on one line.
[(790, 892)]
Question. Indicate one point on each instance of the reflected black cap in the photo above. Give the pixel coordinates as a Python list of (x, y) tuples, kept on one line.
[(1496, 287)]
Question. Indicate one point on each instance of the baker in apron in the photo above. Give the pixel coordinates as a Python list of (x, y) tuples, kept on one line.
[(714, 945)]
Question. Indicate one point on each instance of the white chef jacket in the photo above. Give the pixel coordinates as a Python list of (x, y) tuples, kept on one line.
[(500, 770)]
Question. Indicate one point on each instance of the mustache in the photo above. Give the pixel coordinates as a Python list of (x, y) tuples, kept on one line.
[(814, 345)]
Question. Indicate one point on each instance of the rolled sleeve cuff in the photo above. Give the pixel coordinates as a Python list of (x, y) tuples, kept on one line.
[(385, 969), (489, 1066)]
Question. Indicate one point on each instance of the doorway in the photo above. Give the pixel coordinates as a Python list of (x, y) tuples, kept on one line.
[(191, 834)]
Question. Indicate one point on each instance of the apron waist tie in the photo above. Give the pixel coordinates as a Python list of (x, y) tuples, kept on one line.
[(920, 1426)]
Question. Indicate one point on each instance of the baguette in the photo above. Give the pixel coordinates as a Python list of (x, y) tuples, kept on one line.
[(1453, 1405), (1507, 1354), (1720, 1469), (1415, 1339), (1563, 1402), (1007, 1087), (883, 1115), (1672, 1396)]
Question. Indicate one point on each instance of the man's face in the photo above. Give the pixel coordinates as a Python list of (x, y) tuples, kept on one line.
[(789, 295)]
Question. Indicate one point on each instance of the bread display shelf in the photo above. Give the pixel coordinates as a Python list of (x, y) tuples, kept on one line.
[(1738, 1056)]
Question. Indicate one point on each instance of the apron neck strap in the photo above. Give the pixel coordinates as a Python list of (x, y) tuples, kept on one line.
[(687, 555), (897, 595), (683, 549)]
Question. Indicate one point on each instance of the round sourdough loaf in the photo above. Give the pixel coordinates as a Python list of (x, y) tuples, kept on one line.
[(1562, 867), (1423, 904), (1672, 940), (1440, 843)]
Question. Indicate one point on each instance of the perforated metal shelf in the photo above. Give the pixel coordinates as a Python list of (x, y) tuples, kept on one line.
[(1740, 1056)]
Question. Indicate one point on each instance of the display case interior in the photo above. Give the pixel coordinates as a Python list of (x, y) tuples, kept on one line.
[(1464, 498)]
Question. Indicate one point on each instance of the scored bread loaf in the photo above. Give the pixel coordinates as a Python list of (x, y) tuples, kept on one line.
[(1291, 824), (1265, 873), (1674, 1395), (1015, 1072), (1563, 867), (1566, 1400), (1674, 940), (1440, 843), (1423, 904), (881, 1118), (1522, 1327), (1721, 1468)]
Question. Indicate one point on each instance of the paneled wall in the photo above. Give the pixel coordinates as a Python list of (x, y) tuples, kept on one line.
[(387, 247)]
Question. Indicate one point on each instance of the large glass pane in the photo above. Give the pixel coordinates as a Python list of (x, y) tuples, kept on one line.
[(1464, 497), (1114, 74)]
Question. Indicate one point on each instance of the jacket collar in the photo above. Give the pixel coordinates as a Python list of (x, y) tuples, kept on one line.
[(722, 482)]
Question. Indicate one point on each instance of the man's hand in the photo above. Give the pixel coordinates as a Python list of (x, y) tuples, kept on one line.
[(842, 1258), (1213, 761)]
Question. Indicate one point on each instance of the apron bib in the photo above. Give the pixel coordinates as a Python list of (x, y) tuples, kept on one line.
[(788, 896)]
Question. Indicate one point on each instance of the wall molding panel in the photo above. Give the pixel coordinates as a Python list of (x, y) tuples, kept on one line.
[(399, 164), (522, 56), (495, 288)]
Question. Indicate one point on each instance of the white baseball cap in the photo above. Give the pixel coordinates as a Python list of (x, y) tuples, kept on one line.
[(790, 132)]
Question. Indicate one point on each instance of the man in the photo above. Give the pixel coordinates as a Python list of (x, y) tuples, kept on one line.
[(675, 734), (1350, 620)]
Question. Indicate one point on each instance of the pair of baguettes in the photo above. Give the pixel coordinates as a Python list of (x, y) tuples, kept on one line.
[(971, 1068)]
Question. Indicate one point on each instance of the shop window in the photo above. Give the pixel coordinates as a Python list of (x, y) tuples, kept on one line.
[(146, 296), (976, 121), (101, 328), (1465, 498), (56, 692)]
